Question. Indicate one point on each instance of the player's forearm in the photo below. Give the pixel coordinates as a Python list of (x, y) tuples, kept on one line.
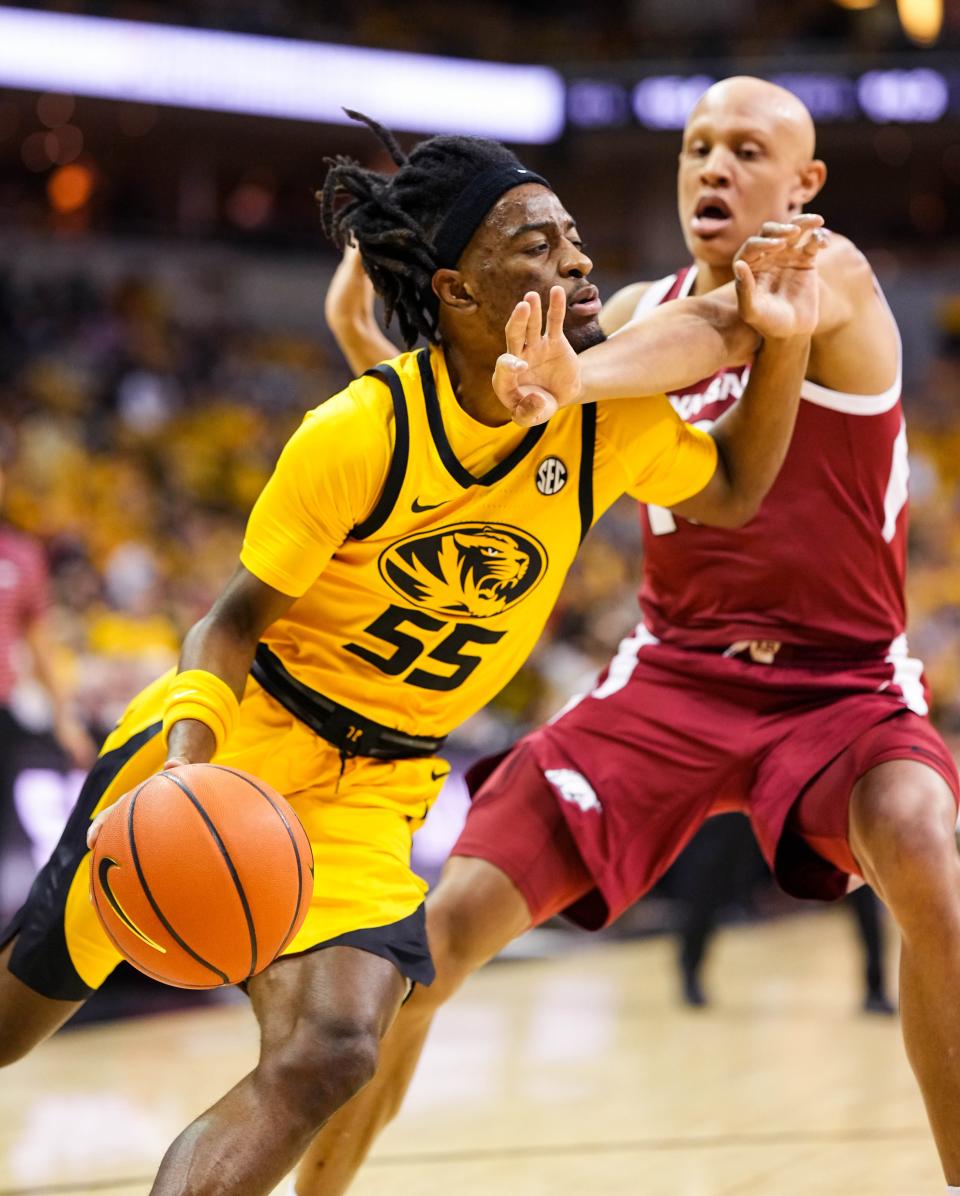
[(203, 701), (361, 342), (214, 646), (672, 347), (753, 437), (349, 312), (221, 648)]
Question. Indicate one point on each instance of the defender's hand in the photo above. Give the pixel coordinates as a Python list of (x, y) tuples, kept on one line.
[(539, 372), (777, 285)]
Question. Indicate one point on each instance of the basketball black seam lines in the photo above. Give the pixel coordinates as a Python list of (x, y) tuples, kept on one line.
[(143, 968), (248, 913), (156, 908), (140, 966), (293, 844)]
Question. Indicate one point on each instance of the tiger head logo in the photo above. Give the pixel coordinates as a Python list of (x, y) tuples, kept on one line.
[(474, 570)]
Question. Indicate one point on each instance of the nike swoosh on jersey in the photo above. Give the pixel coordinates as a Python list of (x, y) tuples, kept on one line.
[(418, 508), (435, 775)]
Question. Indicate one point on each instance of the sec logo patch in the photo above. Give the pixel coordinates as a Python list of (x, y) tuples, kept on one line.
[(551, 475)]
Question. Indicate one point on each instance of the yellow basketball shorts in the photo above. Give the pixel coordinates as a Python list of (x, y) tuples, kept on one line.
[(359, 814)]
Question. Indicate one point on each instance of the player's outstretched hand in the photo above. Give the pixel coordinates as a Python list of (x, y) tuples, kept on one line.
[(539, 372), (777, 286)]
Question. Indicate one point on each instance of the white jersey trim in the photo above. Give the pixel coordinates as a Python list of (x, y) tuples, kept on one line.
[(898, 484), (848, 404), (625, 661), (657, 291), (618, 674), (907, 674)]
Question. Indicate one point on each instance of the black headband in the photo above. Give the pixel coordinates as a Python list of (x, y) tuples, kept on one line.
[(472, 204)]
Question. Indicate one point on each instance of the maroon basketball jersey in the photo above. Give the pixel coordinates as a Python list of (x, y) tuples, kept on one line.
[(822, 564)]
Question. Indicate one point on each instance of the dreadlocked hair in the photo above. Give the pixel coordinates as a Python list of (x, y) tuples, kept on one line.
[(394, 219)]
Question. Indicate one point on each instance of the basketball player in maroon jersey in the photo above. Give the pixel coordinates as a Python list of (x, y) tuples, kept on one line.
[(769, 673)]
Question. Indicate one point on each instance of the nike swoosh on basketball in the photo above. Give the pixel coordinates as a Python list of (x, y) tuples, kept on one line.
[(104, 876), (418, 508)]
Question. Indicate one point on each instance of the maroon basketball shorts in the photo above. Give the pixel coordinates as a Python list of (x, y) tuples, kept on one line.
[(585, 814)]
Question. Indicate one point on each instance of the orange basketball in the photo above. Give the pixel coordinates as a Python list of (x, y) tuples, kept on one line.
[(201, 876)]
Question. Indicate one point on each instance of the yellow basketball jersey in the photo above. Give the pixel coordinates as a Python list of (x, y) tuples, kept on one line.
[(426, 550)]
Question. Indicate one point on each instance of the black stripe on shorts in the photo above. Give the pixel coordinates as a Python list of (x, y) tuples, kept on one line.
[(40, 957), (403, 943)]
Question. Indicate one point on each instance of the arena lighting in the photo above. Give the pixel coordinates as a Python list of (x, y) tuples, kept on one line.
[(921, 19), (828, 97), (665, 101), (280, 77), (920, 95)]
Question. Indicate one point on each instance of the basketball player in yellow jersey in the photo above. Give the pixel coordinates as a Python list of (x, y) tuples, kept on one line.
[(396, 570)]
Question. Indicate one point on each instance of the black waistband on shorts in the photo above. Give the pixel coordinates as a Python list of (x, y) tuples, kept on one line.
[(351, 733)]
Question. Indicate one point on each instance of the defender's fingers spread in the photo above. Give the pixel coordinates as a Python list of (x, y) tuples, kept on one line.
[(813, 233), (808, 220), (773, 228), (755, 247)]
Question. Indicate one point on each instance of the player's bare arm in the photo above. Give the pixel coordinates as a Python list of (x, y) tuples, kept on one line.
[(350, 315), (856, 348), (619, 309), (673, 346), (223, 642), (779, 294), (665, 350)]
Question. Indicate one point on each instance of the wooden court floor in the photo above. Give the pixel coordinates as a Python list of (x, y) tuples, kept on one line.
[(577, 1074)]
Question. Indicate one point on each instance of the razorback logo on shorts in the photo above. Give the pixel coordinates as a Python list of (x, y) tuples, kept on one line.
[(473, 570), (574, 788)]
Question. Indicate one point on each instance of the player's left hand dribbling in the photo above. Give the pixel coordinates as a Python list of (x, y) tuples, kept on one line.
[(95, 827)]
